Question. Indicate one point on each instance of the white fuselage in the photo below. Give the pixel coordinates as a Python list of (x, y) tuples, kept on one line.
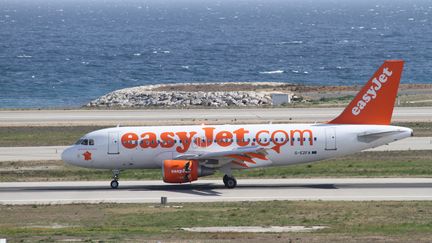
[(285, 144)]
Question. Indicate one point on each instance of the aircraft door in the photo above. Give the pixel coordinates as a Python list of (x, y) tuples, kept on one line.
[(113, 143), (330, 142)]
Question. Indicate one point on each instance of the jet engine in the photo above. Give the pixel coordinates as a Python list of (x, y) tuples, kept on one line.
[(181, 171)]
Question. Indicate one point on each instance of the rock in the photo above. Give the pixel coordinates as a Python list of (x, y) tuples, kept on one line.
[(144, 96), (196, 102)]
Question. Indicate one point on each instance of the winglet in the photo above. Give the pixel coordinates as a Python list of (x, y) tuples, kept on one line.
[(375, 101)]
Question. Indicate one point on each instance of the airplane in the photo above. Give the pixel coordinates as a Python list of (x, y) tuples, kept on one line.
[(185, 153)]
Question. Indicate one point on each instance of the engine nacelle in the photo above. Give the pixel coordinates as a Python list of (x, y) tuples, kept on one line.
[(181, 171)]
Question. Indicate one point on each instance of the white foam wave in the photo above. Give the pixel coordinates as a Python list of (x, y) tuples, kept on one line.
[(272, 72), (24, 56), (295, 42)]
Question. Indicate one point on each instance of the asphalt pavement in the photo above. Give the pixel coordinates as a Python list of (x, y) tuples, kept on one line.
[(189, 116), (352, 189)]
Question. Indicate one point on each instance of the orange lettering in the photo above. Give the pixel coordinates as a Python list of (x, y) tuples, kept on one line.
[(129, 140), (258, 140), (149, 140), (240, 134), (208, 137), (224, 138), (167, 139), (301, 136), (185, 141)]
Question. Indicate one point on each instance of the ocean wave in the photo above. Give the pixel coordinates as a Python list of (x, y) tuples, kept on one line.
[(295, 42), (24, 56), (272, 72)]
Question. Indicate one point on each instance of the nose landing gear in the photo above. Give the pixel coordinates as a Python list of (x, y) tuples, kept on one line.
[(229, 181), (114, 183)]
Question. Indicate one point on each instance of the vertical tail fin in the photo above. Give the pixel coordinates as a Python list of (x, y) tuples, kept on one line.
[(375, 101)]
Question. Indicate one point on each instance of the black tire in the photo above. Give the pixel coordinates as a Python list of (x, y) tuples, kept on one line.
[(114, 184), (225, 178), (230, 183)]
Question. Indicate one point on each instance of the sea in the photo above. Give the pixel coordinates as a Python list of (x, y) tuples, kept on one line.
[(64, 53)]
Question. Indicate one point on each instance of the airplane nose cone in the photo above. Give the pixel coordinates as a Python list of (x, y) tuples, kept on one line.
[(67, 155)]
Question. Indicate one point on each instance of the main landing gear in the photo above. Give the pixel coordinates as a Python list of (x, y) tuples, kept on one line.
[(114, 183), (229, 181)]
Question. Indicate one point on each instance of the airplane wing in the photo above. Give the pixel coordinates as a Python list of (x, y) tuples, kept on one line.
[(239, 156)]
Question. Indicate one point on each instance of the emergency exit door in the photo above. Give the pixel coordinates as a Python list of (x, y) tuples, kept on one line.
[(113, 143), (330, 142)]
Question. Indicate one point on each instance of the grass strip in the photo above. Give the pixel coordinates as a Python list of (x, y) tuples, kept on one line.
[(347, 221)]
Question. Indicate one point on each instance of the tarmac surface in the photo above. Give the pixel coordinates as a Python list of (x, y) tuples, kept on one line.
[(189, 116), (54, 152), (352, 189)]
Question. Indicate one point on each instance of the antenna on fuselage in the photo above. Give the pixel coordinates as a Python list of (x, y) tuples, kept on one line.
[(118, 125)]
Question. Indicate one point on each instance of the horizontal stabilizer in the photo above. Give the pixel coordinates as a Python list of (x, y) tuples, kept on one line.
[(371, 136)]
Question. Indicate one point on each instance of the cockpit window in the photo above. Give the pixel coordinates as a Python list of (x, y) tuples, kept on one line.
[(85, 141)]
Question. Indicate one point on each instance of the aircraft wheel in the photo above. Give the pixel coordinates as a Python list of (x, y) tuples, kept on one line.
[(230, 182), (225, 179), (114, 184)]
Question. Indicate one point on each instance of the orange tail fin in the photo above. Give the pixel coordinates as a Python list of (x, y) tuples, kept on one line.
[(375, 101)]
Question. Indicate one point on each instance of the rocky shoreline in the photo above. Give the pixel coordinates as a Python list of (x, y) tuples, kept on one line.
[(167, 96), (239, 94)]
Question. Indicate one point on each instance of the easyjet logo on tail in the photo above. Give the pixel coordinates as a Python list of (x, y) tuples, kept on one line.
[(372, 92)]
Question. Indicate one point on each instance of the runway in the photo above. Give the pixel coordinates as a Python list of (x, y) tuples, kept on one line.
[(352, 189), (54, 152), (189, 116)]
